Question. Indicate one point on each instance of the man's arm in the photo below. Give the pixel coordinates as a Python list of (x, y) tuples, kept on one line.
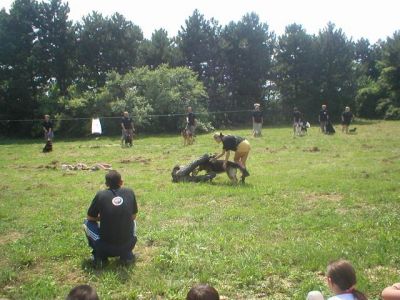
[(220, 155)]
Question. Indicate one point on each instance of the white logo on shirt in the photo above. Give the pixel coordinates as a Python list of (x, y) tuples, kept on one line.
[(117, 201)]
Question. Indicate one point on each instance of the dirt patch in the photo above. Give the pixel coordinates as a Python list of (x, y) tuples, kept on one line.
[(10, 237), (271, 150), (138, 159), (312, 149), (316, 197), (391, 159), (375, 274), (365, 146)]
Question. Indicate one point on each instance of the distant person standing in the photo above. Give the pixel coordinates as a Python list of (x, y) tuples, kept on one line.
[(296, 119), (127, 128), (191, 123), (323, 118), (48, 128), (257, 120), (347, 118)]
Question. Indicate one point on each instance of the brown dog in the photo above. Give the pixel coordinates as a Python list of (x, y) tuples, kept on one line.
[(187, 137)]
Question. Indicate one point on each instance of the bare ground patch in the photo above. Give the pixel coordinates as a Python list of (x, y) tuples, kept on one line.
[(10, 237), (317, 197)]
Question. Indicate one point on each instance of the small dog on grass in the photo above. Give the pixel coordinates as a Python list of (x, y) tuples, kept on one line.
[(353, 130), (217, 166), (128, 140), (48, 147)]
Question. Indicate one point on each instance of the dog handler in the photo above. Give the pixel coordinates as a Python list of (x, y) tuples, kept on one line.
[(239, 145)]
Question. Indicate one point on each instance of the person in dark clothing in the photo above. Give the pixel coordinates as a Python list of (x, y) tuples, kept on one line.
[(257, 120), (127, 129), (323, 118), (297, 120), (239, 145), (191, 123), (347, 118), (48, 128), (115, 208)]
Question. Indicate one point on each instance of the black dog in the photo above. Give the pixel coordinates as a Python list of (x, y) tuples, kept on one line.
[(353, 130), (217, 166), (48, 147), (128, 140)]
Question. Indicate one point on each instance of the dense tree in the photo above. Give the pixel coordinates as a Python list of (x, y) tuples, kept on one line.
[(335, 71), (248, 48), (104, 45), (18, 64), (159, 50), (295, 70), (55, 44)]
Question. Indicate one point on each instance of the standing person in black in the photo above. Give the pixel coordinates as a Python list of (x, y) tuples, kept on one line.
[(257, 120), (296, 120), (48, 128), (347, 117), (191, 123), (127, 128), (115, 208), (323, 118)]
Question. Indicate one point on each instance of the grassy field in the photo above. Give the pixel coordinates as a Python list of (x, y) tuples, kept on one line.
[(308, 200)]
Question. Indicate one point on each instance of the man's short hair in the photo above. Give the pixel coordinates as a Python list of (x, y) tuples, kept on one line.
[(113, 179), (202, 292), (83, 292)]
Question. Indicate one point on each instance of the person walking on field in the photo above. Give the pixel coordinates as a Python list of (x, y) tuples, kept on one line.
[(347, 118), (191, 123), (127, 128), (239, 145), (297, 119), (323, 118), (48, 128), (257, 120), (115, 209)]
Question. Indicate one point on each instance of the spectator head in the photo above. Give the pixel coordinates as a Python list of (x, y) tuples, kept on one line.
[(202, 292), (256, 106), (46, 117), (113, 179), (126, 114), (295, 108), (323, 106), (347, 109), (82, 292), (341, 278), (189, 109), (218, 137)]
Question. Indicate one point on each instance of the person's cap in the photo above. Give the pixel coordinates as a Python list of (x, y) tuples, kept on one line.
[(256, 104)]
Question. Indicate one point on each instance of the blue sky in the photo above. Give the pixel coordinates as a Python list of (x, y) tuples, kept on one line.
[(370, 19)]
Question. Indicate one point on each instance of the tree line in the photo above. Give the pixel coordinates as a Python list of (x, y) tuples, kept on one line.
[(102, 65)]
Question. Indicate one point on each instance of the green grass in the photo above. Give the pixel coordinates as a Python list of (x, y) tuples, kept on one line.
[(270, 238)]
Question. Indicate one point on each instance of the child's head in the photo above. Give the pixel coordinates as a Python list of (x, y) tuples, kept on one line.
[(315, 295), (342, 278), (202, 292), (83, 292)]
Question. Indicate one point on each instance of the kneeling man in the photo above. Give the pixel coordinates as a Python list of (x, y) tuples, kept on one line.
[(115, 209)]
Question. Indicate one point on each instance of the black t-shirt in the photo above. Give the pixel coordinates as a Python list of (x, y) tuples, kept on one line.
[(257, 115), (323, 115), (297, 116), (127, 122), (230, 142), (47, 125), (116, 208), (347, 116), (191, 117)]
